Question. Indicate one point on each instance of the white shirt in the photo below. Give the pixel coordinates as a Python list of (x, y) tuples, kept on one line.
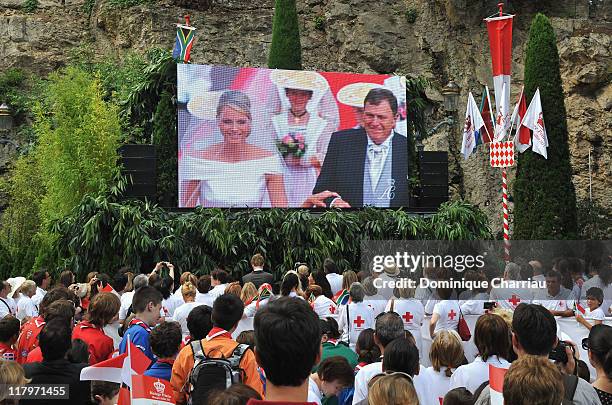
[(437, 384), (314, 393), (377, 160), (251, 309), (597, 314), (471, 376), (217, 291), (377, 302), (26, 307), (126, 301), (335, 282), (560, 302), (448, 310), (169, 305), (510, 298), (360, 317), (181, 313), (595, 281), (325, 307), (40, 294), (362, 379), (205, 299), (7, 306)]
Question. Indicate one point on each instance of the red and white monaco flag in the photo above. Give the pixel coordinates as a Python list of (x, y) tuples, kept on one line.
[(473, 122), (496, 384), (118, 369), (500, 43), (522, 135), (534, 120)]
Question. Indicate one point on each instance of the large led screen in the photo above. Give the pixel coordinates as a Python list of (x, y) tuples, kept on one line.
[(253, 137)]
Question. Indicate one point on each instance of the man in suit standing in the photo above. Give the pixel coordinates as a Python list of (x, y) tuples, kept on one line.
[(366, 166), (258, 276)]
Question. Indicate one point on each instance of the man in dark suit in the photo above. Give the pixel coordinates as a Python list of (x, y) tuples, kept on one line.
[(258, 276), (366, 166)]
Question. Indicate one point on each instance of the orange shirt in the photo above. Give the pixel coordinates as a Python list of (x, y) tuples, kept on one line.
[(28, 338), (34, 356), (100, 345), (217, 345)]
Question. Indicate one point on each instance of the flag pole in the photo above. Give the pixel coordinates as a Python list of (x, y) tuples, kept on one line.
[(507, 244)]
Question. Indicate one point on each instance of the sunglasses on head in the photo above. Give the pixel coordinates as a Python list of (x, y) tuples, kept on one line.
[(585, 343), (390, 373)]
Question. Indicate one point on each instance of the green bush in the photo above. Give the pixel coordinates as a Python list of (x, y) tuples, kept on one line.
[(104, 234), (411, 15), (319, 22), (29, 6), (285, 50), (545, 199), (166, 141)]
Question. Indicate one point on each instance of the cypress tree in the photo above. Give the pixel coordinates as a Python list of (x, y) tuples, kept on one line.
[(544, 195), (166, 142), (285, 50)]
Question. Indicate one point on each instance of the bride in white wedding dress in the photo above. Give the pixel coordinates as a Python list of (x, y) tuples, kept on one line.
[(232, 173)]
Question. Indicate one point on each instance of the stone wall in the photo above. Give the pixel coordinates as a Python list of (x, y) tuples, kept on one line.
[(441, 40)]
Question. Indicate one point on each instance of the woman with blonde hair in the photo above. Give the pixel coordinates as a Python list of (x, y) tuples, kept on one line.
[(233, 172), (249, 293), (186, 276), (392, 389), (26, 308), (446, 354), (11, 375), (188, 291)]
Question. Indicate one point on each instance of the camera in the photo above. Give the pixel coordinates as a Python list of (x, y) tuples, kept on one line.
[(488, 306), (559, 354)]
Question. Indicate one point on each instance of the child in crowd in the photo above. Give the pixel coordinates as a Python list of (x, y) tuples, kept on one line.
[(146, 305), (332, 376), (9, 332), (458, 396), (103, 310), (594, 299), (104, 393), (165, 342)]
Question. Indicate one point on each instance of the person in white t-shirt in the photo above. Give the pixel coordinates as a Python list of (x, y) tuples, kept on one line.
[(25, 307), (402, 356), (356, 316), (556, 298), (140, 280), (218, 281), (333, 375), (323, 306), (331, 273), (186, 276), (412, 313), (204, 286), (445, 314), (182, 312), (264, 293), (446, 354), (7, 305), (388, 327), (594, 299), (374, 300), (509, 298), (42, 280), (492, 339)]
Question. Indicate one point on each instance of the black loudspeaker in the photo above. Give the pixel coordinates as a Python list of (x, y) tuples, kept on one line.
[(434, 179), (138, 165)]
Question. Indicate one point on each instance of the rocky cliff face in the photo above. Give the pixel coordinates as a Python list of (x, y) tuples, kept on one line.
[(439, 39)]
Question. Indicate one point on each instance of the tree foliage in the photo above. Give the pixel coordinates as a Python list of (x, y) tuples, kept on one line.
[(76, 154), (102, 233), (166, 141), (545, 199), (285, 50)]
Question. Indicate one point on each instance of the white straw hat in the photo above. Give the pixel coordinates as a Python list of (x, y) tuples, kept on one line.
[(299, 79), (354, 94)]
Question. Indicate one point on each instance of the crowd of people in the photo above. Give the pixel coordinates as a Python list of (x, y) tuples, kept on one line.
[(314, 337)]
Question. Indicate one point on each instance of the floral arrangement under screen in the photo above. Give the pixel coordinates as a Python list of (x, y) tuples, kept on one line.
[(253, 137)]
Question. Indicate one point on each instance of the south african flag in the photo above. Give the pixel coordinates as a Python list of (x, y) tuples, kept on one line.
[(342, 297), (184, 40)]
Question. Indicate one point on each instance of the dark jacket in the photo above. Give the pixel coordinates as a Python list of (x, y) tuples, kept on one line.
[(59, 372), (258, 278), (343, 169)]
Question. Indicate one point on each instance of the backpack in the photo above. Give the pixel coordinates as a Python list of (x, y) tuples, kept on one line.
[(570, 383), (210, 373)]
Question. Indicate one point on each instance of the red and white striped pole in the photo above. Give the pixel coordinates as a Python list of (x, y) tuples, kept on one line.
[(506, 216)]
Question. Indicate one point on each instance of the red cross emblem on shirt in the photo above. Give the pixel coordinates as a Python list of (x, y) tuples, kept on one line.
[(358, 321), (514, 300), (332, 309), (452, 314), (407, 316)]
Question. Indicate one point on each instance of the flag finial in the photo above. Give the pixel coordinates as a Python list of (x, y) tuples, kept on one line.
[(500, 5), (187, 18)]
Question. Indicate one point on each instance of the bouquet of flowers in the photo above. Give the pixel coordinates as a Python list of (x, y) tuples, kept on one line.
[(292, 146)]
